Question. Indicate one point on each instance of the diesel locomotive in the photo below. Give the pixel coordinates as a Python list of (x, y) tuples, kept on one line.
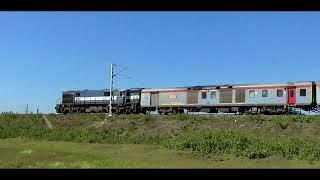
[(274, 98)]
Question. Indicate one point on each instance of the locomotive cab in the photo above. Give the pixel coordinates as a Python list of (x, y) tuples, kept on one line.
[(66, 101)]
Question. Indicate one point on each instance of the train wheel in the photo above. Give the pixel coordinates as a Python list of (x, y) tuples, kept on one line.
[(65, 111), (174, 111)]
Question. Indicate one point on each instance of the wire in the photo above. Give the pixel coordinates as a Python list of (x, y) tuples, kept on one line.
[(119, 75), (125, 76), (123, 69)]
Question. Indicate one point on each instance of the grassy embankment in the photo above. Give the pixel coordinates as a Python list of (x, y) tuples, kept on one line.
[(185, 141)]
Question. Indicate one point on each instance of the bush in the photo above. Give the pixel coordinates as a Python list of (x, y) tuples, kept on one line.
[(224, 142)]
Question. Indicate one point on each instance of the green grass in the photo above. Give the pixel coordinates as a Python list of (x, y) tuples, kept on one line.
[(246, 137), (245, 145), (298, 126), (24, 153)]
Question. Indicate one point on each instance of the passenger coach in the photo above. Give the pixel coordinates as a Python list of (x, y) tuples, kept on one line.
[(266, 98)]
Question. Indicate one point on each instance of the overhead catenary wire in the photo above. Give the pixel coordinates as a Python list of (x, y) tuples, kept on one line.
[(120, 75), (123, 69), (124, 76)]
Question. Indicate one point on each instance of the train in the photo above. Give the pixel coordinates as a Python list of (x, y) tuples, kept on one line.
[(264, 98)]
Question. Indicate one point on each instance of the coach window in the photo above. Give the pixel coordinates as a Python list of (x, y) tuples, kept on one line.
[(279, 92), (252, 94), (106, 93), (204, 95), (77, 94), (264, 93), (213, 95), (303, 92)]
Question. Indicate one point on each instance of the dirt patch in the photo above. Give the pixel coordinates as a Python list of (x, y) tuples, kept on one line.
[(158, 126), (48, 122), (100, 124)]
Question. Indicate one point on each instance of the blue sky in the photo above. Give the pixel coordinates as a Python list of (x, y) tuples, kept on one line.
[(44, 53)]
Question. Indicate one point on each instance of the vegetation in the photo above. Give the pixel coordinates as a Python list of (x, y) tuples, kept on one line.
[(25, 153), (224, 142), (288, 137)]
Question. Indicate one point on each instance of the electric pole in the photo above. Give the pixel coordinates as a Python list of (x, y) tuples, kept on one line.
[(112, 75), (27, 109), (111, 82)]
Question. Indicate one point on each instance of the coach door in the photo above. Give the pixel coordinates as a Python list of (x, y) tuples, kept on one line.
[(292, 96), (154, 98), (192, 97)]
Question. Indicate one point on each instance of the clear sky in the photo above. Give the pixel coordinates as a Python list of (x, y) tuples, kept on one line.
[(44, 53)]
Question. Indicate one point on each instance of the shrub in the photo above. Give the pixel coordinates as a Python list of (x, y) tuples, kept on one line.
[(224, 142)]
